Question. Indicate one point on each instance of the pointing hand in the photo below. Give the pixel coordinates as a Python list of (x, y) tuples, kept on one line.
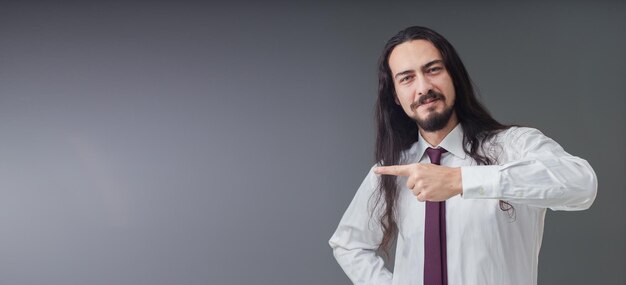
[(429, 182)]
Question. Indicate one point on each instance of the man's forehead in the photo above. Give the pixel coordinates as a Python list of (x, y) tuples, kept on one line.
[(413, 55)]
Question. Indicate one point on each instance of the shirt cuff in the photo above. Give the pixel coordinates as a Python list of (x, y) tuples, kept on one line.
[(481, 182)]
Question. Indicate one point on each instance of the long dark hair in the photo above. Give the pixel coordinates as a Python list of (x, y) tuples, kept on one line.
[(396, 131)]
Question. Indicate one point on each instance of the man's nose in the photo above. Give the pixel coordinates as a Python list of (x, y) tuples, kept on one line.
[(423, 85)]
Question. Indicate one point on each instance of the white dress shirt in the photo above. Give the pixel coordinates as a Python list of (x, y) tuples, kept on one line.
[(485, 245)]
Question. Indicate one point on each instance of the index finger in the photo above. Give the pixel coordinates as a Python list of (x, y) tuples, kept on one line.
[(397, 170)]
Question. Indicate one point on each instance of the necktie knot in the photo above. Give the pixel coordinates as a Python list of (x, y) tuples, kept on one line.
[(435, 154)]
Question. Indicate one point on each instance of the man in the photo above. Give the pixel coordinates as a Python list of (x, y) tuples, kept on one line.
[(477, 218)]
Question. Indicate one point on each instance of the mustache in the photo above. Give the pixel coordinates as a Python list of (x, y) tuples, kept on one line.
[(430, 95)]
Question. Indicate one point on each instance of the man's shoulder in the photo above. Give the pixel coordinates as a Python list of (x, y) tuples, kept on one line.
[(511, 139), (514, 133)]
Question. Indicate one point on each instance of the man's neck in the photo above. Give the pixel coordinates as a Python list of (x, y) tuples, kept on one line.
[(435, 138)]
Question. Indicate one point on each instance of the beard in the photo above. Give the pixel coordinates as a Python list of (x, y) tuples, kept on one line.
[(435, 121)]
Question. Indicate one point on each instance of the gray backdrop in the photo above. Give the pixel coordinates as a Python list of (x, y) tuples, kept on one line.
[(188, 143)]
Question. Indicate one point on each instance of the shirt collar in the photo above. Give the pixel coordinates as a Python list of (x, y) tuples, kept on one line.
[(453, 143)]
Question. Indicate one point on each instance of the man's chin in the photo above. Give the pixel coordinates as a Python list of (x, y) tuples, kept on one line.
[(434, 121), (425, 112), (430, 116)]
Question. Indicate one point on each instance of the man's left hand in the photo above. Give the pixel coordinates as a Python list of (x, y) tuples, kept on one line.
[(429, 182)]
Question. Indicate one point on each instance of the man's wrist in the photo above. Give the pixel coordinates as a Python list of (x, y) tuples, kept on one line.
[(459, 181), (480, 181)]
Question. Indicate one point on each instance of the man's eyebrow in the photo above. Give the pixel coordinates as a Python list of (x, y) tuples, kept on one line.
[(431, 63), (403, 73)]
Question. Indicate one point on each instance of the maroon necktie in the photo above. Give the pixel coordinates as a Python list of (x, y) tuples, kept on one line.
[(435, 267)]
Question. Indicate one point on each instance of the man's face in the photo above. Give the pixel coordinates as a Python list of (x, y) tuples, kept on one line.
[(423, 86)]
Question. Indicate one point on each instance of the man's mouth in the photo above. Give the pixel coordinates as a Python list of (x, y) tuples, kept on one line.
[(427, 99), (426, 102)]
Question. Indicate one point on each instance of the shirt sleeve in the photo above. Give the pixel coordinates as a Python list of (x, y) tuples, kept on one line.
[(357, 237), (538, 172)]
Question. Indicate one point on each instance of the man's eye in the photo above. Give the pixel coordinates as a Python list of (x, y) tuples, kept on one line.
[(406, 78), (435, 69)]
